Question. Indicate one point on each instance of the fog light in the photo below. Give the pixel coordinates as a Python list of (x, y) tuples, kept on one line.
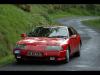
[(17, 51), (18, 56), (52, 58)]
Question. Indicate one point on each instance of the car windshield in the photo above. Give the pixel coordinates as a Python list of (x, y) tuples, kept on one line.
[(51, 32)]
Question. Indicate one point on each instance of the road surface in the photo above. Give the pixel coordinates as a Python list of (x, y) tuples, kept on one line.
[(90, 52)]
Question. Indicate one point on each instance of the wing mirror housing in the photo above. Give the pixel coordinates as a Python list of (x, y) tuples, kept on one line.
[(73, 36), (23, 35)]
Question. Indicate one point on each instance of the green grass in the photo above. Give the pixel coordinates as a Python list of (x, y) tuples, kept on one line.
[(6, 60), (93, 23), (14, 21)]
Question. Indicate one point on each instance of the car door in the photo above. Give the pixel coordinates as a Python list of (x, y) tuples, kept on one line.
[(71, 40), (76, 39)]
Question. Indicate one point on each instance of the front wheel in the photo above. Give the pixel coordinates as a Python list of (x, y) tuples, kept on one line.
[(67, 56)]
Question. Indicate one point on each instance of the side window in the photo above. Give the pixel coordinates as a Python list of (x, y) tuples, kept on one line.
[(74, 31), (70, 31)]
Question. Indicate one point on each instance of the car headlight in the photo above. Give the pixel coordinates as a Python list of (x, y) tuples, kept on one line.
[(53, 48), (21, 46), (17, 51)]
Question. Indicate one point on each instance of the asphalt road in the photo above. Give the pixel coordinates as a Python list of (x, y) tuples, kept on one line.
[(90, 52)]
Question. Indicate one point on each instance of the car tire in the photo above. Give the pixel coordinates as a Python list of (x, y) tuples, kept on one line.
[(77, 54), (18, 61), (67, 58)]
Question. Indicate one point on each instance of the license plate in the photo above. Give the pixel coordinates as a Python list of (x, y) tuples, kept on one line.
[(52, 58), (30, 53)]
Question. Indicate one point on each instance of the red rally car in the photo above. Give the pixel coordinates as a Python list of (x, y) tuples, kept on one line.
[(54, 43)]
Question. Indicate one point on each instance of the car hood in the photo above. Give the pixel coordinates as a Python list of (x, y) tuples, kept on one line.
[(41, 41)]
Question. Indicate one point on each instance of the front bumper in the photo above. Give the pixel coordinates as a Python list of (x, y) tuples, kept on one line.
[(47, 55)]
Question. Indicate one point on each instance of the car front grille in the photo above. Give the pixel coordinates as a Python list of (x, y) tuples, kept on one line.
[(36, 58)]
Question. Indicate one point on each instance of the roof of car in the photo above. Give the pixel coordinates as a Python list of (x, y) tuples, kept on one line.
[(52, 26)]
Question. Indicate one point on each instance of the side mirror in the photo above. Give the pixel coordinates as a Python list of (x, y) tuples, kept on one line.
[(73, 36), (23, 35)]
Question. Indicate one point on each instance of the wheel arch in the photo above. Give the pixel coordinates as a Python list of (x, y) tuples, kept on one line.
[(80, 42)]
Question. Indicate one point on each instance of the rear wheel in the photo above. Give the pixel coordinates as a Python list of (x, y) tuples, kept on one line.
[(77, 54)]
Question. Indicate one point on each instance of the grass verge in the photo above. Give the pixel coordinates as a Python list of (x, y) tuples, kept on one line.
[(93, 23)]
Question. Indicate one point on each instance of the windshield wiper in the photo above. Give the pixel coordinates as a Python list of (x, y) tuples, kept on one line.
[(58, 36)]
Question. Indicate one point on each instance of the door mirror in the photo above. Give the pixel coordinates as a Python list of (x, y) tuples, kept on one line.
[(73, 36), (23, 35)]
